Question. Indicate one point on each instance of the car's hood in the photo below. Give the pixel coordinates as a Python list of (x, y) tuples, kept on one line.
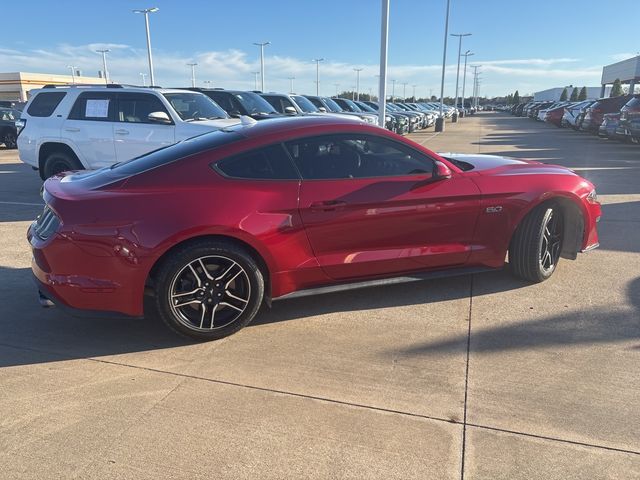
[(499, 165), (215, 123)]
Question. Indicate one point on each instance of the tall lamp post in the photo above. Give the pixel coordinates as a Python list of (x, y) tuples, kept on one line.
[(261, 45), (144, 79), (382, 82), (459, 35), (146, 13), (255, 80), (440, 120), (291, 79), (393, 90), (318, 60), (73, 73), (404, 91), (337, 85), (466, 55), (357, 70), (475, 82), (193, 73), (104, 64), (414, 92)]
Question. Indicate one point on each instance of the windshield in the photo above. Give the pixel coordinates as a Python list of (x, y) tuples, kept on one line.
[(304, 104), (254, 103), (331, 105), (194, 106), (364, 107), (352, 106)]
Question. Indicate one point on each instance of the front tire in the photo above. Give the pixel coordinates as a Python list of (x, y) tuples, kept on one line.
[(537, 243), (208, 290)]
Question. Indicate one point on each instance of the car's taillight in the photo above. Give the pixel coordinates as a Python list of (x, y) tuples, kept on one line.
[(46, 224), (20, 124)]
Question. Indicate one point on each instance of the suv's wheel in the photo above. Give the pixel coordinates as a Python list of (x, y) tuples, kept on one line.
[(537, 243), (208, 290), (58, 162), (9, 140)]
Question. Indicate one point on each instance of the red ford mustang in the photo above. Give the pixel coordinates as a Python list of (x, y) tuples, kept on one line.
[(214, 226)]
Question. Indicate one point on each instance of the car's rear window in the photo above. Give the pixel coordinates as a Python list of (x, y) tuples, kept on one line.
[(186, 148), (45, 103)]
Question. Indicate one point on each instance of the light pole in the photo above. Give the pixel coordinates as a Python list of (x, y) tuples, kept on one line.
[(146, 13), (207, 83), (466, 55), (336, 85), (144, 79), (475, 82), (440, 120), (73, 73), (357, 70), (393, 90), (459, 35), (318, 60), (384, 45), (404, 91), (193, 73), (104, 64), (291, 79), (261, 45), (255, 80), (414, 92)]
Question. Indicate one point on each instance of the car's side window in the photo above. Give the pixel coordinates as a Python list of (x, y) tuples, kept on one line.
[(94, 106), (275, 102), (356, 156), (269, 163), (136, 107), (45, 103)]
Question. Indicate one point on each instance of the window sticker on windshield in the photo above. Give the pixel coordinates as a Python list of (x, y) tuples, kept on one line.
[(97, 108)]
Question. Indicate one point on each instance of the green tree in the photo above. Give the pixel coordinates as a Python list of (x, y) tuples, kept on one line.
[(583, 94), (616, 90), (516, 97), (564, 95), (574, 95)]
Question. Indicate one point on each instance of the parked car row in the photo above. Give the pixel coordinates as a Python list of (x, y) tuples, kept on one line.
[(93, 126), (613, 117)]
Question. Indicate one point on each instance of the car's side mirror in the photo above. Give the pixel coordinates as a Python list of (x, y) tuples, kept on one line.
[(159, 117), (234, 113), (290, 111), (442, 171), (322, 109)]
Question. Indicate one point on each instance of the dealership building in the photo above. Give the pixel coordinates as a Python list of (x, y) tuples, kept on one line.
[(554, 94), (627, 71), (15, 86)]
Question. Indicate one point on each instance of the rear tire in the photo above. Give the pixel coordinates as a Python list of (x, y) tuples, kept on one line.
[(208, 290), (58, 162), (10, 140), (537, 243)]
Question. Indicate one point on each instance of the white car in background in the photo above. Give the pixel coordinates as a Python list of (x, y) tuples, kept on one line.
[(90, 127)]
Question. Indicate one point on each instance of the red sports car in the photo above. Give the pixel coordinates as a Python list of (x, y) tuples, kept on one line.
[(213, 227)]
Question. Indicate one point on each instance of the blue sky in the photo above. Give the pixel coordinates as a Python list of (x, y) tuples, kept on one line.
[(521, 44)]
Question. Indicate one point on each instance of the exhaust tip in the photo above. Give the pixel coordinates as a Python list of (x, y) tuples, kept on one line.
[(44, 301)]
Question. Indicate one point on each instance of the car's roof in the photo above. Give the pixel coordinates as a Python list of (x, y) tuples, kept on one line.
[(284, 125)]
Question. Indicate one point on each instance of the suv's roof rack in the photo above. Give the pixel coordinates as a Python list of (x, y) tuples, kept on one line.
[(99, 85), (108, 85)]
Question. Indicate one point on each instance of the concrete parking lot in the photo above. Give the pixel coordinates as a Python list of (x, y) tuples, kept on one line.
[(477, 377)]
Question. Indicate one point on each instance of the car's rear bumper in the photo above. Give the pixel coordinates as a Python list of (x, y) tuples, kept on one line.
[(77, 276)]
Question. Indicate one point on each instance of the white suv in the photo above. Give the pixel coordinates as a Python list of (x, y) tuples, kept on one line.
[(89, 127)]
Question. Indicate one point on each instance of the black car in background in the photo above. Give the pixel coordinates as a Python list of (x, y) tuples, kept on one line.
[(629, 124), (594, 115), (238, 102), (8, 130)]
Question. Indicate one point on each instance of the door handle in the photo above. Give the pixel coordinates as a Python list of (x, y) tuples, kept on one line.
[(328, 205), (71, 129), (122, 131)]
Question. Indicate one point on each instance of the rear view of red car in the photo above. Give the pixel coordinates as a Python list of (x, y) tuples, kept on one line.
[(595, 114), (555, 116)]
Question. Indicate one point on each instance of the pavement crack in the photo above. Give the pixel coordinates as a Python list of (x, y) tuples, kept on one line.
[(466, 380)]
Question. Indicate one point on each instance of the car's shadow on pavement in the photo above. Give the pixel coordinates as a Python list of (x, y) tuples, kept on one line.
[(31, 334), (583, 327)]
